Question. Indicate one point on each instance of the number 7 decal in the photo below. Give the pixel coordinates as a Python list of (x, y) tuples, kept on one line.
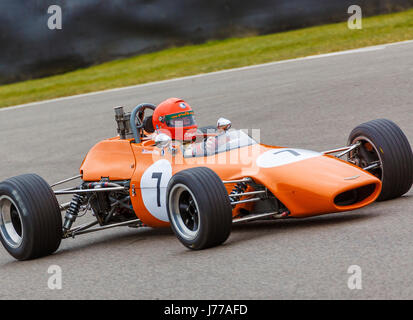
[(284, 156), (153, 184), (293, 152), (158, 175)]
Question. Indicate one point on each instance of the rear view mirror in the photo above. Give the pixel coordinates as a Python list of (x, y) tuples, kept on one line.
[(162, 141), (223, 124)]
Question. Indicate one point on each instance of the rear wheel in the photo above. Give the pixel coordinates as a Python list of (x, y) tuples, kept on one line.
[(199, 209), (30, 217), (386, 153)]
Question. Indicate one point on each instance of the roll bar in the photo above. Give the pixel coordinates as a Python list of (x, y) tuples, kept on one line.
[(134, 127)]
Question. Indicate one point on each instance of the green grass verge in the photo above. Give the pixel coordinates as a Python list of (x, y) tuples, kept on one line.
[(212, 56)]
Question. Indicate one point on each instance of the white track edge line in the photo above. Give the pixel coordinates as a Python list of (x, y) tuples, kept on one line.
[(318, 56)]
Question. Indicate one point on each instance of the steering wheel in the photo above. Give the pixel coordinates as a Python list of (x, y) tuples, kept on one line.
[(136, 123)]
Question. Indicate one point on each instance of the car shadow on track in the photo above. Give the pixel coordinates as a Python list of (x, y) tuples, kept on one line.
[(257, 229), (90, 243), (245, 232), (123, 237), (240, 234)]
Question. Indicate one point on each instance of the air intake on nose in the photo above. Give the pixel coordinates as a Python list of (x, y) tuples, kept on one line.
[(354, 196)]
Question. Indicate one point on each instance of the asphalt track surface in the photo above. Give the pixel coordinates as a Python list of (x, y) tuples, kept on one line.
[(309, 103)]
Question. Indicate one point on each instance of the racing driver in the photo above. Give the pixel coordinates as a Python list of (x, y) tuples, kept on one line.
[(175, 117)]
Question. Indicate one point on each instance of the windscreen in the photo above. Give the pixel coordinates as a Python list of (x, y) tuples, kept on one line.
[(225, 142)]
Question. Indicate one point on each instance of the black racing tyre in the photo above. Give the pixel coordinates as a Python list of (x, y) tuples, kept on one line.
[(384, 143), (30, 217), (198, 208)]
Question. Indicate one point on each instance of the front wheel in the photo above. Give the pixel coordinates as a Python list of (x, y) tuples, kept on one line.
[(30, 217), (199, 209), (385, 152)]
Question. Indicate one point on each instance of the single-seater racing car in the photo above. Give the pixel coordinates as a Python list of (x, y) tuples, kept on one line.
[(200, 186)]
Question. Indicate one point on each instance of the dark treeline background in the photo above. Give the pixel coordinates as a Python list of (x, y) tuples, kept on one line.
[(96, 30)]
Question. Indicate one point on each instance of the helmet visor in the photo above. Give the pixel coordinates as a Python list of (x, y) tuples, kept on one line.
[(182, 119)]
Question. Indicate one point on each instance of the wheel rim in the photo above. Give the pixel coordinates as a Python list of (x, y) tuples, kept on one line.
[(184, 212), (365, 157), (11, 227)]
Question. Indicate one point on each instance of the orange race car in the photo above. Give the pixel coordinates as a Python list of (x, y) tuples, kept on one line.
[(162, 170)]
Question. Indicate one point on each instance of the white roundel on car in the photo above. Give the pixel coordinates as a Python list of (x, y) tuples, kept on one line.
[(282, 156), (153, 188)]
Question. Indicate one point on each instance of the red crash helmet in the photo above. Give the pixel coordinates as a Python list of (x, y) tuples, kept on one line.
[(176, 116)]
